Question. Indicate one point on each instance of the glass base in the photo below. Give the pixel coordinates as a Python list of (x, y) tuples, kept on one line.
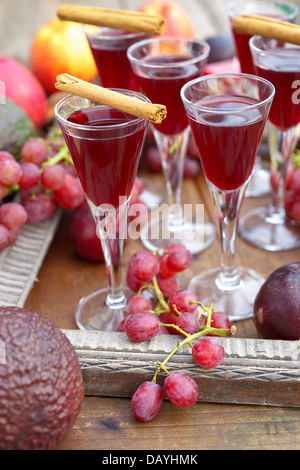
[(195, 237), (95, 313), (259, 184), (269, 233), (152, 194), (236, 300)]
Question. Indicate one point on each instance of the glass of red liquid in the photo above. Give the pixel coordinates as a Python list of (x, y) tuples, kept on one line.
[(282, 10), (227, 115), (109, 48), (268, 227), (162, 66), (105, 145)]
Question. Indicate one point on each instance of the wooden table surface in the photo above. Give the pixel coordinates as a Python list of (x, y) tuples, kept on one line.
[(107, 423)]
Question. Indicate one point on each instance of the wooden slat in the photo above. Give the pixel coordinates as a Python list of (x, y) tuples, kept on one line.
[(255, 371)]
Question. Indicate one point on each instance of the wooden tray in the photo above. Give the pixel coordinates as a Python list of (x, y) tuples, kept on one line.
[(20, 263)]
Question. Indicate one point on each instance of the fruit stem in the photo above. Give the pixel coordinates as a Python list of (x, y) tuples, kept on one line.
[(160, 296), (62, 154), (189, 338)]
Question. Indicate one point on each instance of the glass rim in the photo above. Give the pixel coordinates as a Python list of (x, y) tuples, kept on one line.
[(161, 39), (226, 75), (135, 119), (256, 48), (232, 5), (125, 35)]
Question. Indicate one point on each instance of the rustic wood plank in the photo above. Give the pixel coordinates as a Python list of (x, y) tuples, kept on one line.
[(255, 371)]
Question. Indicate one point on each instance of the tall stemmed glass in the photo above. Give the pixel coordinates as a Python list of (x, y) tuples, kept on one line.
[(283, 10), (109, 48), (163, 65), (105, 145), (268, 227), (227, 114)]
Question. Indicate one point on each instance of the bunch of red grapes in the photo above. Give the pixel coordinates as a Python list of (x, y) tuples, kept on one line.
[(45, 179), (159, 306)]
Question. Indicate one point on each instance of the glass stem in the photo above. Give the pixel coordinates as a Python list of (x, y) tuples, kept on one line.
[(173, 151), (281, 146), (112, 231), (228, 205)]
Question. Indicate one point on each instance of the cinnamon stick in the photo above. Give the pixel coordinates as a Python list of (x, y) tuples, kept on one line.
[(268, 28), (270, 20), (151, 112), (118, 19)]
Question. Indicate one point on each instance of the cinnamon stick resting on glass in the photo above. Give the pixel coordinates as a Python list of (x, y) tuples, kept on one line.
[(268, 28), (111, 18), (151, 112)]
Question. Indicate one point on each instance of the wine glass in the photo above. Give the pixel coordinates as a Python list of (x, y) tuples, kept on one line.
[(286, 11), (109, 48), (227, 114), (268, 227), (162, 66), (105, 145)]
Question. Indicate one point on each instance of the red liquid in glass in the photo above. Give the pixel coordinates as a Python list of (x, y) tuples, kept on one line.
[(162, 85), (111, 60), (242, 47), (227, 143), (282, 69), (106, 165)]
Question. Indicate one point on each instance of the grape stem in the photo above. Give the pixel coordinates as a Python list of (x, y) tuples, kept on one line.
[(62, 154), (160, 296), (206, 330)]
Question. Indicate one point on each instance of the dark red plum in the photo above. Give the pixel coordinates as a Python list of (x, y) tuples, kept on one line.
[(277, 304)]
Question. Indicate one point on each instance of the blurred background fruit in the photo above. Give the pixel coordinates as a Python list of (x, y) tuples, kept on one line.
[(61, 47), (22, 87), (15, 128), (178, 21)]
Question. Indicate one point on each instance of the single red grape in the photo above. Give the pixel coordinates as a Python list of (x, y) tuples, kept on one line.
[(178, 261), (31, 175), (208, 352), (188, 322), (10, 172), (53, 177), (147, 400), (181, 389), (132, 282), (164, 271), (143, 266), (70, 195), (182, 300), (12, 214), (220, 320), (138, 303), (142, 326), (168, 286), (39, 208), (34, 150), (168, 319), (122, 326), (4, 155)]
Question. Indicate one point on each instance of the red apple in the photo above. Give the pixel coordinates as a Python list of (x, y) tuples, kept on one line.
[(22, 87), (178, 22), (61, 47)]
